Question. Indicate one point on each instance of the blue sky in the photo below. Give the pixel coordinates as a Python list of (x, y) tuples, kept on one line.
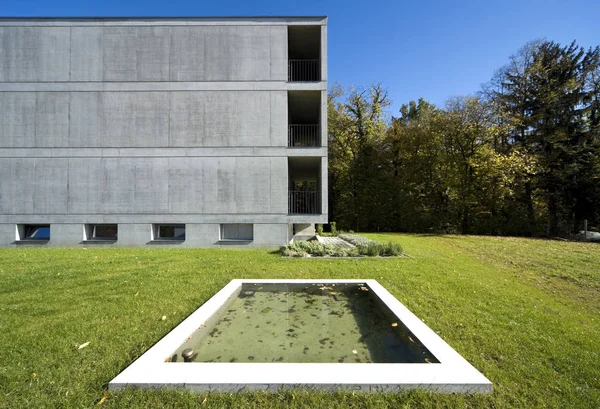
[(430, 48)]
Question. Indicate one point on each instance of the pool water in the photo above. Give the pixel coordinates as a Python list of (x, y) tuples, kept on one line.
[(328, 323)]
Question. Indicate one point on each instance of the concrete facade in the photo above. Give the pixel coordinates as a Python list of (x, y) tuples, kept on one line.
[(138, 122)]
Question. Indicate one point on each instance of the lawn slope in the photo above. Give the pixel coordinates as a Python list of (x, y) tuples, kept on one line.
[(525, 312)]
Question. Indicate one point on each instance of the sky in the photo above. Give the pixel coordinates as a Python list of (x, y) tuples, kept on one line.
[(432, 49)]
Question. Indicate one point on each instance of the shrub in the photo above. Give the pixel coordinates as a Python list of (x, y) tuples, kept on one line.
[(320, 229), (355, 239), (391, 249), (364, 247), (372, 248), (312, 247), (333, 229)]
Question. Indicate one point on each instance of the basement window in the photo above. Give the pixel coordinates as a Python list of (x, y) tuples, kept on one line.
[(33, 232), (237, 231), (168, 232), (101, 232)]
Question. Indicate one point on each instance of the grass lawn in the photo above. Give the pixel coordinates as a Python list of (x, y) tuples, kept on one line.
[(526, 313)]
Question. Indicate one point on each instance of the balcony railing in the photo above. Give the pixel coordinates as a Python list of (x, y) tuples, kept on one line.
[(304, 202), (300, 136), (304, 70)]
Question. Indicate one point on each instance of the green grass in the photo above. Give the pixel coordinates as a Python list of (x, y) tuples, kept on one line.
[(526, 313)]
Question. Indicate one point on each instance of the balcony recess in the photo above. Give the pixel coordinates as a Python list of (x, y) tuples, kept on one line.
[(304, 49)]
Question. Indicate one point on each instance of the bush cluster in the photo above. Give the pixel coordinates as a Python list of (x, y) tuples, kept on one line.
[(364, 247), (356, 239), (314, 248), (372, 248)]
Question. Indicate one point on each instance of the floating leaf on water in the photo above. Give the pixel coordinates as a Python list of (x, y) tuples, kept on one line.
[(83, 345)]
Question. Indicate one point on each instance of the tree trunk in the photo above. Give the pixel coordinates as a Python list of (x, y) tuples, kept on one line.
[(530, 213)]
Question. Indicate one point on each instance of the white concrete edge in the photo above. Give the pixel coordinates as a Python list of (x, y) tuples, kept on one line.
[(452, 374)]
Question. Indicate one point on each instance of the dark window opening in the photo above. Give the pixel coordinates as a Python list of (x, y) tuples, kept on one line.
[(237, 231), (106, 232), (169, 232), (36, 232)]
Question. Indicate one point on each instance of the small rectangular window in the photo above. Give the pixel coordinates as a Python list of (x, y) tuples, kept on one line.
[(34, 232), (168, 232), (104, 232), (237, 231)]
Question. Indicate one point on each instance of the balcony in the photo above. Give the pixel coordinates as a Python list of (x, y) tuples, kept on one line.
[(304, 202), (304, 185), (303, 136), (304, 70), (304, 119), (304, 53)]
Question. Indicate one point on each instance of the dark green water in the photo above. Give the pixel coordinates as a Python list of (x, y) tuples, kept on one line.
[(343, 323)]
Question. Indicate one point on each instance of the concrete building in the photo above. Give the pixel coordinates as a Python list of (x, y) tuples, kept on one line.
[(189, 132)]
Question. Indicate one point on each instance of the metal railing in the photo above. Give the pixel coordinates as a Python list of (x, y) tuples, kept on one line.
[(304, 70), (303, 135), (304, 202)]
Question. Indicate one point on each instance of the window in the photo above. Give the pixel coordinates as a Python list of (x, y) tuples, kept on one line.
[(168, 232), (237, 231), (34, 232), (104, 232)]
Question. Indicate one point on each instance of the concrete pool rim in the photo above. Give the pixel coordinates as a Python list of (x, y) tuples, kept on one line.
[(453, 374)]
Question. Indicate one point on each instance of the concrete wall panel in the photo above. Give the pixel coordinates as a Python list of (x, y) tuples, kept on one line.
[(151, 191), (87, 55), (220, 53), (86, 183), (86, 120), (226, 181), (279, 53), (136, 53), (66, 234), (16, 185), (50, 186), (220, 118), (52, 119), (185, 185), (54, 54), (7, 234), (133, 234), (118, 193), (134, 119), (253, 185), (279, 185), (268, 234), (279, 119), (187, 54), (17, 119), (34, 54)]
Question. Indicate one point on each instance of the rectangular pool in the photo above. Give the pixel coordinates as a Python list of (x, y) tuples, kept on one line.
[(326, 334)]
